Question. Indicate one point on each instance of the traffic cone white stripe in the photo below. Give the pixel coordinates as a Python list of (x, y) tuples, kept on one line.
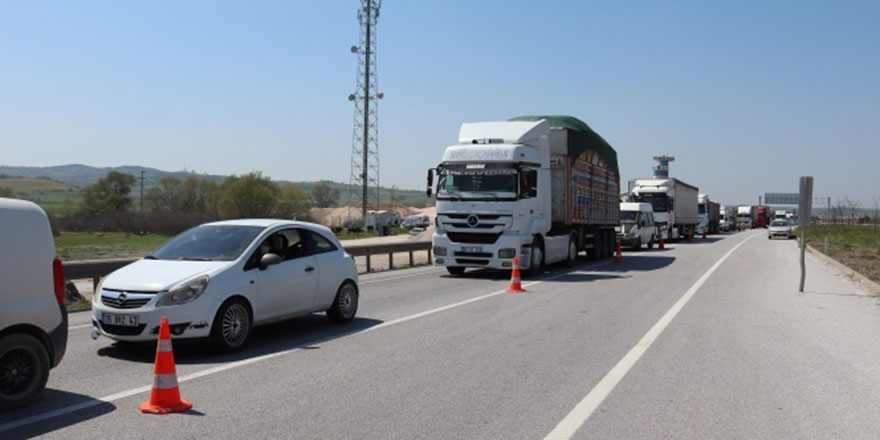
[(164, 346), (165, 381)]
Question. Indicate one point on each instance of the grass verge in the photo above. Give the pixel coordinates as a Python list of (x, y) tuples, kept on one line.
[(857, 247)]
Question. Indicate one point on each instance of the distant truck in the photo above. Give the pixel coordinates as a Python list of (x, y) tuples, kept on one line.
[(709, 213), (728, 218), (780, 215), (746, 217), (382, 220), (541, 188), (674, 203), (763, 213)]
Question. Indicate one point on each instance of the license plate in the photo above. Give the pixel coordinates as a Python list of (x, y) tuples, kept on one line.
[(122, 320), (472, 249)]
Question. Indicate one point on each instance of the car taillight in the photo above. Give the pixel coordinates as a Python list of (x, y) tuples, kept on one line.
[(58, 279)]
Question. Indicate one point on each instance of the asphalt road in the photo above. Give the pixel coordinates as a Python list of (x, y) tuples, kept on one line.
[(708, 339)]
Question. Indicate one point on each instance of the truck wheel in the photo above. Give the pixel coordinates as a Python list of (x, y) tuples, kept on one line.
[(610, 244), (536, 257), (572, 251), (24, 370), (651, 243), (455, 270)]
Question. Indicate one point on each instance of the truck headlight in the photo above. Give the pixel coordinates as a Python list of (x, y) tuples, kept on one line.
[(184, 292), (506, 253), (440, 251)]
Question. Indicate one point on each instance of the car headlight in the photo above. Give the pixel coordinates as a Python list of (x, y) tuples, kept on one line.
[(96, 296), (440, 251), (184, 292)]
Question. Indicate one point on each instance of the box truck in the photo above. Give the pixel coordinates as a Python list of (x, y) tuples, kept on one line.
[(746, 217), (709, 212), (540, 188), (674, 203)]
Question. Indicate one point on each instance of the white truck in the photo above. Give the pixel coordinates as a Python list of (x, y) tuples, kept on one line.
[(746, 217), (674, 202), (709, 213), (542, 188)]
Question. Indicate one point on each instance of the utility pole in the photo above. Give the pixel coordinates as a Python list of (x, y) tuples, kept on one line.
[(364, 179), (142, 190)]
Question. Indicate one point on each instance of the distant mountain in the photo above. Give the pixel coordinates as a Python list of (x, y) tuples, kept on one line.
[(79, 175)]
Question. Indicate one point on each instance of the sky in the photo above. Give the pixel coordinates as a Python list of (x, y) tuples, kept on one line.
[(748, 95)]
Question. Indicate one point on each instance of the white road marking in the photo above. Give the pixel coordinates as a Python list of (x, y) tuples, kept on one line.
[(567, 428), (225, 367), (74, 327), (400, 276)]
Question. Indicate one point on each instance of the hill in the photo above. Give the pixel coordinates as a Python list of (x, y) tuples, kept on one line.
[(78, 175), (45, 192)]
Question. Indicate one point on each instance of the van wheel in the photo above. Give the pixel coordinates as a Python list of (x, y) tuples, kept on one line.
[(345, 304), (455, 271), (24, 370), (638, 245), (232, 325), (651, 243)]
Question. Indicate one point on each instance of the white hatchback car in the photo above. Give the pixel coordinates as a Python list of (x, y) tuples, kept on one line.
[(220, 279), (780, 228)]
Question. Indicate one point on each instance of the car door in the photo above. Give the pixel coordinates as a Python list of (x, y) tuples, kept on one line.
[(330, 270), (287, 288)]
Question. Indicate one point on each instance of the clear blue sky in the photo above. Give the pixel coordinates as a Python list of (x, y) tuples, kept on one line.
[(747, 95)]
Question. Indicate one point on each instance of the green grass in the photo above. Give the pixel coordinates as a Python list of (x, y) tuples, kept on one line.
[(49, 194), (71, 246), (858, 247)]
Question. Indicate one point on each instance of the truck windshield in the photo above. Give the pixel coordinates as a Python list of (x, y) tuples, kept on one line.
[(702, 208), (499, 183), (659, 201), (628, 216)]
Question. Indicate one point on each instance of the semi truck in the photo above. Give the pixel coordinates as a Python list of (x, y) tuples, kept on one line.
[(746, 217), (674, 203), (764, 216), (709, 213), (540, 188)]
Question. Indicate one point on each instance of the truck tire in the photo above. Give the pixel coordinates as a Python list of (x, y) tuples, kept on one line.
[(455, 271), (536, 266), (651, 243), (572, 251), (24, 370)]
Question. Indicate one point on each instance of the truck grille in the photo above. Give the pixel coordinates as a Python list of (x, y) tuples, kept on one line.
[(471, 237), (473, 254), (471, 261), (480, 216)]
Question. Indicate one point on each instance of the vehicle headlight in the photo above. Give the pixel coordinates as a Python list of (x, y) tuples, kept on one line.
[(184, 292), (440, 251), (96, 296), (507, 253)]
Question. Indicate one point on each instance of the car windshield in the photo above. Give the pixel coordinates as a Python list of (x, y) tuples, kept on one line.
[(628, 216), (208, 243), (779, 223)]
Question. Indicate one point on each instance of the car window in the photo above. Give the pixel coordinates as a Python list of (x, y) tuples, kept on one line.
[(320, 244)]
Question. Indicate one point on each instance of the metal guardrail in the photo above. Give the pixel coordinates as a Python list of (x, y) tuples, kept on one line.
[(96, 269)]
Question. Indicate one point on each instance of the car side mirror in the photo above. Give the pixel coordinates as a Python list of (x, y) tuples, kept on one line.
[(269, 260)]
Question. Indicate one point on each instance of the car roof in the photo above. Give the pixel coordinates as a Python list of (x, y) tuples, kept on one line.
[(268, 223)]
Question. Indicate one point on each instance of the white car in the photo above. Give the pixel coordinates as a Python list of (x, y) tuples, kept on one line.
[(780, 228), (33, 320), (220, 279)]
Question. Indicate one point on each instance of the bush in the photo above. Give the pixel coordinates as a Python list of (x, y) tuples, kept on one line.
[(165, 223)]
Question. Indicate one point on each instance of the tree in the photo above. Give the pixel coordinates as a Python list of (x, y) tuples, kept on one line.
[(293, 203), (164, 197), (324, 195), (250, 195), (192, 194), (6, 192), (109, 194)]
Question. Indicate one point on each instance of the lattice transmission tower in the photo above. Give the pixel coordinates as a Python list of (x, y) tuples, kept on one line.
[(364, 180)]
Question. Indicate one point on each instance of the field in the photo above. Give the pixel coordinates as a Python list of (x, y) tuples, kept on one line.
[(858, 247), (47, 193), (71, 246)]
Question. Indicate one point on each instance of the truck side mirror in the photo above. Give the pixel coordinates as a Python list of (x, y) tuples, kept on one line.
[(430, 182)]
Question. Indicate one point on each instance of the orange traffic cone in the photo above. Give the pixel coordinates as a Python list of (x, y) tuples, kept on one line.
[(619, 257), (165, 396), (515, 282)]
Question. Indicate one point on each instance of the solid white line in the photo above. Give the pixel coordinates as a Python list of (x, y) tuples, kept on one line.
[(225, 367), (585, 408), (424, 272), (74, 327)]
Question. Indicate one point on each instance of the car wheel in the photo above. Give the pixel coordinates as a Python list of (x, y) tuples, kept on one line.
[(651, 243), (232, 325), (24, 370), (345, 304), (455, 270)]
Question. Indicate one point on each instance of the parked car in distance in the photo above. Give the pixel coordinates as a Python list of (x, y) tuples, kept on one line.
[(33, 319), (637, 225), (416, 221), (780, 228), (220, 279)]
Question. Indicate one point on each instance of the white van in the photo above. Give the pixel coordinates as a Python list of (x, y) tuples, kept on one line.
[(636, 225), (33, 319)]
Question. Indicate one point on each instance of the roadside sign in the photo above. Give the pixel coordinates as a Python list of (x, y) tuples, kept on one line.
[(781, 198)]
